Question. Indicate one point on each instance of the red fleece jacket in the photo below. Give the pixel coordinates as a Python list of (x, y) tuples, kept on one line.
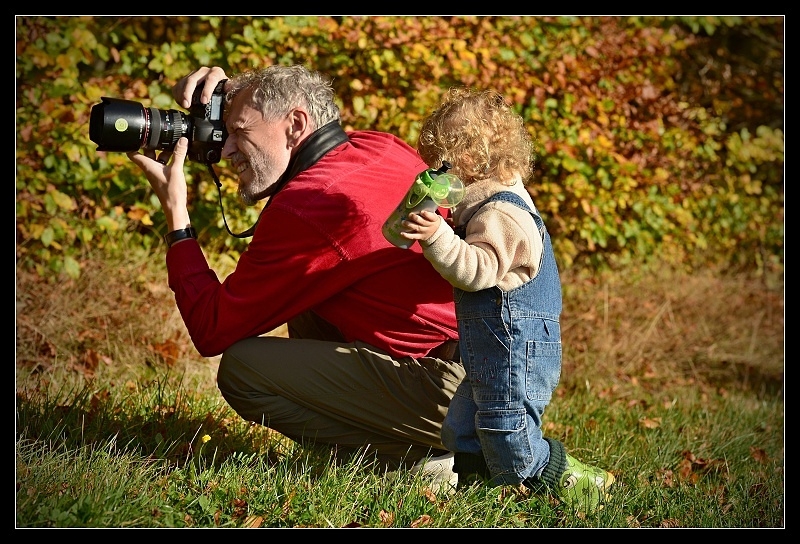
[(318, 246)]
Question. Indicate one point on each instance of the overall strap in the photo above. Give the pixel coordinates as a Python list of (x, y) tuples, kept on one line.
[(502, 196), (508, 196)]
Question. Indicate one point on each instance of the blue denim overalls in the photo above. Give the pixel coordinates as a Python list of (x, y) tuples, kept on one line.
[(510, 345)]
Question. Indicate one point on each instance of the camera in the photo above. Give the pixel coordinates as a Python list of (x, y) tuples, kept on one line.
[(126, 125)]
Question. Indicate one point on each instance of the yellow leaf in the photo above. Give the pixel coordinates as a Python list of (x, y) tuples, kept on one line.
[(63, 201), (253, 522), (358, 105)]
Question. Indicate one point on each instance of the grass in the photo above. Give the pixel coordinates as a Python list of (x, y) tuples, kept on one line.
[(673, 382)]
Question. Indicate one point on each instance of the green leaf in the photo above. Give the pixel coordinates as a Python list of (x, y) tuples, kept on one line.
[(63, 201), (71, 267), (47, 236)]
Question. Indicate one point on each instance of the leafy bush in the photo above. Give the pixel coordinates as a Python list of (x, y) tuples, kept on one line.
[(660, 139)]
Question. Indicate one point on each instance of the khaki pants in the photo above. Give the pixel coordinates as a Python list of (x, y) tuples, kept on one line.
[(316, 389)]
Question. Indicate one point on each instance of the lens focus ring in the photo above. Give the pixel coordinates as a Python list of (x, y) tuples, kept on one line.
[(165, 128)]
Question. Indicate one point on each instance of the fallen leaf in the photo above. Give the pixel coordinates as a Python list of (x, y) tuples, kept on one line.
[(169, 350), (758, 454), (387, 518), (90, 359), (429, 494), (633, 522), (648, 423), (667, 478), (421, 521), (253, 522)]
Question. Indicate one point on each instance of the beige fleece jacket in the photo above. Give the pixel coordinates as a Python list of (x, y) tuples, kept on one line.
[(502, 245)]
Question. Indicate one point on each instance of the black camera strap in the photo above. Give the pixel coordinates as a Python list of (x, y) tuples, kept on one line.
[(310, 151)]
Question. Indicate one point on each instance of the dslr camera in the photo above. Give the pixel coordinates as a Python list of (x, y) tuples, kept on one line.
[(126, 125)]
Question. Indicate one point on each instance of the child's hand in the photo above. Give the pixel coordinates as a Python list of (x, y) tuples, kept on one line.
[(420, 226)]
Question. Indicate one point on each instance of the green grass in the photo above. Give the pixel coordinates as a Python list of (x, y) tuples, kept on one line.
[(676, 386), (134, 457)]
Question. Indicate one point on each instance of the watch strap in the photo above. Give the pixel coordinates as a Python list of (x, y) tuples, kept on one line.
[(181, 234)]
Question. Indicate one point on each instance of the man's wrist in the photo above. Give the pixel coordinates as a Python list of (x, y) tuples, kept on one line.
[(175, 236)]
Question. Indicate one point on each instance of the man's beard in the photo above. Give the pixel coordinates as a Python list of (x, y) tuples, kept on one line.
[(264, 178), (245, 195)]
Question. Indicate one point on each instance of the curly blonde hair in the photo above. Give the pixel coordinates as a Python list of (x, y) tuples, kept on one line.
[(479, 134)]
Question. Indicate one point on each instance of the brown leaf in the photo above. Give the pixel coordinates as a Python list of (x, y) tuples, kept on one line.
[(47, 350), (169, 350), (26, 133), (758, 490), (90, 359), (429, 494), (685, 471), (727, 508), (421, 521), (648, 423), (87, 364), (758, 454), (387, 518), (99, 400), (667, 478)]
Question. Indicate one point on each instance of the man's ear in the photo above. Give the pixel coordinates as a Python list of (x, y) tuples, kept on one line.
[(298, 126)]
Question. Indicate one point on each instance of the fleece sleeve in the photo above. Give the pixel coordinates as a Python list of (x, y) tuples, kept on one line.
[(502, 248)]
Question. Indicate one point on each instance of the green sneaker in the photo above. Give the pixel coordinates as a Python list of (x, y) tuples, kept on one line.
[(583, 487)]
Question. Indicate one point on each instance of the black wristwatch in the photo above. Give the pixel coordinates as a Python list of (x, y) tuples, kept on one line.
[(180, 234)]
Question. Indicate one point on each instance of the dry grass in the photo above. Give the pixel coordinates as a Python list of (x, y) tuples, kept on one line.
[(724, 331), (665, 328), (673, 382)]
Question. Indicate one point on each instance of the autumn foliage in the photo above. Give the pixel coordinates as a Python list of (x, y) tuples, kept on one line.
[(658, 137)]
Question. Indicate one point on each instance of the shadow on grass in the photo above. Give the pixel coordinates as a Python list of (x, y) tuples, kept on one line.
[(157, 420)]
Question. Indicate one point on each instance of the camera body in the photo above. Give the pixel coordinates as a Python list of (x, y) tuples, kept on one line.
[(126, 125)]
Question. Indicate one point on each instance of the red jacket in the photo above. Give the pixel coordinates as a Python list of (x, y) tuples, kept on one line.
[(318, 246)]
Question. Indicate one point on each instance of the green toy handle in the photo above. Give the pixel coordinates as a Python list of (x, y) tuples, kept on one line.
[(434, 184)]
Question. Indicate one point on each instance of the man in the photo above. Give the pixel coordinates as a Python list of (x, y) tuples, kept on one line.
[(371, 359)]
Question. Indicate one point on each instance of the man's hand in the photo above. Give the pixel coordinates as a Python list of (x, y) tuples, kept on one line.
[(184, 89), (168, 181)]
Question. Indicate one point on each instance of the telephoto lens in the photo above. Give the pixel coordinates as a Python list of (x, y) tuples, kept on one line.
[(125, 125)]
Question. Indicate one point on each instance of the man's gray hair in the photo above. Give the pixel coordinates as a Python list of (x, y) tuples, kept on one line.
[(277, 89)]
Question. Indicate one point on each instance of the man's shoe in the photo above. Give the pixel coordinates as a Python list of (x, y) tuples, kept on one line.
[(583, 487), (439, 470)]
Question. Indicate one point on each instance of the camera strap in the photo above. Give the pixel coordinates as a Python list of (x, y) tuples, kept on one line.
[(310, 151)]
